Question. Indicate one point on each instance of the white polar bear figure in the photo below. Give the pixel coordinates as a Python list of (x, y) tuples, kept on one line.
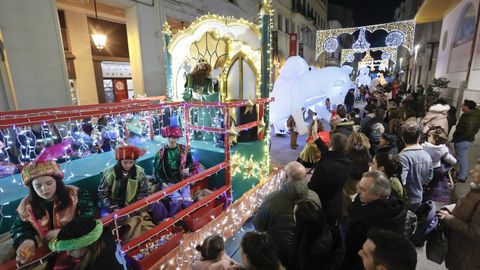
[(363, 77), (300, 86)]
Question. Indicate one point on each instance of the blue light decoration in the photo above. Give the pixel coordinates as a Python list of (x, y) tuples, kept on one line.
[(350, 58), (361, 45), (386, 55), (395, 39), (330, 45)]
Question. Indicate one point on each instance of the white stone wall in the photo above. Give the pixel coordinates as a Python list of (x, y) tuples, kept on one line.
[(33, 45), (453, 63)]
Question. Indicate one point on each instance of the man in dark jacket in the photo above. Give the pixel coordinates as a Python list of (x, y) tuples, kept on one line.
[(464, 135), (349, 100), (275, 215), (379, 116), (372, 209), (330, 175)]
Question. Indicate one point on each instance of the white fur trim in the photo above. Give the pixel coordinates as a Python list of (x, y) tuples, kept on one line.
[(439, 108)]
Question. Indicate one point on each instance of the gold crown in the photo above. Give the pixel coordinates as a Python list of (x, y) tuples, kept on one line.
[(44, 168)]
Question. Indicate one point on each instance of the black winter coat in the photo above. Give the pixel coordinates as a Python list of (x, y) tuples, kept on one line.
[(328, 179), (388, 214), (324, 253), (275, 216)]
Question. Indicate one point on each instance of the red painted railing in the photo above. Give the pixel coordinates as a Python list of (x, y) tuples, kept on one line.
[(62, 114)]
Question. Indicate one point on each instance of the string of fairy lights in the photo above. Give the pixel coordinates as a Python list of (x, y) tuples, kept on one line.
[(228, 224), (400, 33)]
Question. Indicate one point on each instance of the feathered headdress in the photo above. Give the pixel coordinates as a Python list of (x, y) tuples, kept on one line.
[(45, 164)]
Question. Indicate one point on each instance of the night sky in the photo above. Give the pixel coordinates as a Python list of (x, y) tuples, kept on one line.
[(368, 12)]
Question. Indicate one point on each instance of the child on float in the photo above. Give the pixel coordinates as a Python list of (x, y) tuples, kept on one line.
[(49, 206), (89, 244), (440, 187), (212, 255), (172, 164), (123, 183)]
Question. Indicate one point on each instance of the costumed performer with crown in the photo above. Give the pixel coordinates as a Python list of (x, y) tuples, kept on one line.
[(123, 183), (199, 87), (49, 206), (172, 164)]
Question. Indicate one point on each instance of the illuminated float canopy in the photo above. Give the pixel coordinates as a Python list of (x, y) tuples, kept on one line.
[(225, 43)]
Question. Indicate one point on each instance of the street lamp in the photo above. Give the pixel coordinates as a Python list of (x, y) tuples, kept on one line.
[(415, 66), (416, 50), (98, 37)]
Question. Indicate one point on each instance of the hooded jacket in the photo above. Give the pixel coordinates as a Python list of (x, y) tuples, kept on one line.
[(437, 153), (388, 214), (437, 115), (275, 216)]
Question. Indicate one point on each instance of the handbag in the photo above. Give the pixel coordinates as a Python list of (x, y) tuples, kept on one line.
[(437, 244)]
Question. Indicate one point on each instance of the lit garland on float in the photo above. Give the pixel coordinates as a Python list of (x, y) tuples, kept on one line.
[(228, 224)]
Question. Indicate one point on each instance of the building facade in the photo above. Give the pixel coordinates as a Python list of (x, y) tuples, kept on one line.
[(459, 54), (418, 67), (300, 17), (46, 60)]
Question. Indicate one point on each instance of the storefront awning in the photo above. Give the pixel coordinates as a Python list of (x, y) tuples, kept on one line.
[(434, 10)]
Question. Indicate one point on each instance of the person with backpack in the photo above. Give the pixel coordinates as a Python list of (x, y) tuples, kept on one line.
[(317, 245)]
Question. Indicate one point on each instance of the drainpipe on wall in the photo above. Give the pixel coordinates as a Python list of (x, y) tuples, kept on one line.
[(464, 85)]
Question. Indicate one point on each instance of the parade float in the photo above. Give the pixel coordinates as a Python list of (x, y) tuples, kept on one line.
[(218, 84)]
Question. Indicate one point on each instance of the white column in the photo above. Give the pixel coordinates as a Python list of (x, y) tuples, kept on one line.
[(79, 37), (145, 49), (34, 49)]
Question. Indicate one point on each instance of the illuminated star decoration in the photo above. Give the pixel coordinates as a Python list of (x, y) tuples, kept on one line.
[(249, 107), (263, 170), (235, 163), (249, 167), (233, 134)]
